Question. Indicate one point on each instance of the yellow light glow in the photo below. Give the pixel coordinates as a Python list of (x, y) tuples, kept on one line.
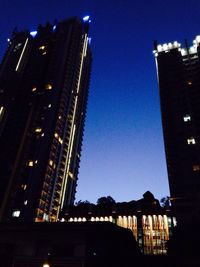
[(196, 168), (56, 135), (48, 86), (50, 162), (42, 47), (45, 265), (34, 89), (38, 130), (71, 175), (30, 163), (191, 141)]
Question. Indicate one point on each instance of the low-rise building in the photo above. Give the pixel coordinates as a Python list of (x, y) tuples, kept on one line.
[(150, 223)]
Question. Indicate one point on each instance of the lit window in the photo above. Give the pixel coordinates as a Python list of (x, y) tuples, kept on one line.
[(54, 166), (42, 47), (44, 53), (45, 265), (71, 175), (16, 213), (59, 117), (38, 130), (1, 112), (42, 134), (196, 168), (187, 118), (189, 82), (60, 140), (191, 141), (34, 89), (56, 135), (24, 186), (30, 163), (48, 86), (49, 106), (50, 162), (25, 202)]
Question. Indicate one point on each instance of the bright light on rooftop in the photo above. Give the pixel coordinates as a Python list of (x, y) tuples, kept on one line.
[(33, 33), (86, 18), (198, 38)]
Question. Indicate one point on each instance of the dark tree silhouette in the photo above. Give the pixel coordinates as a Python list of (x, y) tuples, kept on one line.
[(105, 200)]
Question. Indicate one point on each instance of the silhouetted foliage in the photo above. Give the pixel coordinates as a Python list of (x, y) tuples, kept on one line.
[(105, 200), (81, 202)]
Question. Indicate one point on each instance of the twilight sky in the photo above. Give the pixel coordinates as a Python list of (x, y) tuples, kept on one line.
[(123, 151)]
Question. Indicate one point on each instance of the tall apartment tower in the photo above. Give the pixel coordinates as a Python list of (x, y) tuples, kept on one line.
[(44, 81), (179, 85)]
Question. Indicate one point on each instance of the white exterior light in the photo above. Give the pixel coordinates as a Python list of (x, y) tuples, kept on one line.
[(86, 18), (33, 33)]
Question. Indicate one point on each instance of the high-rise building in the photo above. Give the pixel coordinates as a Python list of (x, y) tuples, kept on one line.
[(179, 85), (44, 81)]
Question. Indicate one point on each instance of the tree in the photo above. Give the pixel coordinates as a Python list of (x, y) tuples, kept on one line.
[(82, 203), (105, 200)]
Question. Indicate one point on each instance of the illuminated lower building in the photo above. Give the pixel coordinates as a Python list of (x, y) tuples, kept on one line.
[(179, 87), (44, 81), (151, 224)]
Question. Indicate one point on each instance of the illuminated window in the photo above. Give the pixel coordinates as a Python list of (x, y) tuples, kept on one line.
[(1, 112), (34, 89), (25, 202), (49, 106), (42, 47), (196, 168), (51, 162), (38, 130), (71, 175), (60, 140), (16, 213), (189, 82), (24, 186), (191, 141), (44, 53), (54, 166), (30, 163), (56, 135), (59, 117), (48, 86), (187, 118), (42, 134)]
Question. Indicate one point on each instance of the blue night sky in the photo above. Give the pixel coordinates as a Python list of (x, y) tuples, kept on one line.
[(123, 151)]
